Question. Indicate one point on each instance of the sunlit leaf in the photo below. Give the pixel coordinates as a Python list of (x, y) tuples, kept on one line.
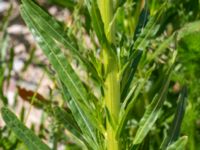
[(55, 31), (179, 144), (96, 21), (57, 58)]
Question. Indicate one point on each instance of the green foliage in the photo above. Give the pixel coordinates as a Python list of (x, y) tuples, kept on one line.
[(179, 144), (189, 55), (126, 101), (70, 4), (152, 112), (22, 132), (175, 127)]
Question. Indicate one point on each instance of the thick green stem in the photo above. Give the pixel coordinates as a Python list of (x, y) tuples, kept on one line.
[(112, 100), (112, 84)]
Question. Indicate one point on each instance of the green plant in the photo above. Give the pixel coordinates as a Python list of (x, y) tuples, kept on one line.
[(189, 49), (102, 105)]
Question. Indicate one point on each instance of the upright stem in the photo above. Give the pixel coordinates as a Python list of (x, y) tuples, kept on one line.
[(112, 84), (112, 100), (107, 10)]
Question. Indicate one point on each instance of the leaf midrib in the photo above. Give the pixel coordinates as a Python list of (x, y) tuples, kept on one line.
[(52, 52)]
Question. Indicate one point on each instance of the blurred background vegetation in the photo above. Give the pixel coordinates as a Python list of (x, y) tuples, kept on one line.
[(25, 72)]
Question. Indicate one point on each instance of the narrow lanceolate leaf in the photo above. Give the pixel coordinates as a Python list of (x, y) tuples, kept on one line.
[(59, 62), (69, 123), (82, 120), (142, 21), (66, 74), (148, 31), (180, 144), (22, 132), (67, 120), (152, 111), (55, 31), (130, 100), (144, 31), (176, 125), (96, 20), (57, 59), (129, 73)]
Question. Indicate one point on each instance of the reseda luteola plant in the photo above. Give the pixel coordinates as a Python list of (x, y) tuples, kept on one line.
[(99, 122)]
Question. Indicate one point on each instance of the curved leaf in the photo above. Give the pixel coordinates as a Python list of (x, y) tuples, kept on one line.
[(69, 123), (176, 125), (129, 73), (55, 31), (88, 130), (67, 120), (152, 111), (130, 100), (143, 19), (179, 144), (57, 59), (22, 132), (96, 20)]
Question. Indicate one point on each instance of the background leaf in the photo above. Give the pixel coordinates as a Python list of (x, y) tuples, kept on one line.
[(179, 144), (152, 111), (22, 132), (176, 125)]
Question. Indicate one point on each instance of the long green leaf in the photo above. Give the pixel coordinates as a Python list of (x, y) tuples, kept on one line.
[(69, 123), (138, 47), (96, 20), (57, 59), (67, 120), (98, 26), (152, 111), (175, 127), (148, 31), (22, 132), (82, 120), (179, 144), (65, 73), (129, 74), (143, 19), (56, 32), (130, 100)]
